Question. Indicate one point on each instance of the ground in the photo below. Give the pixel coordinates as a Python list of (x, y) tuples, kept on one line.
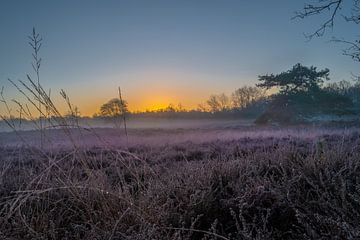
[(233, 182)]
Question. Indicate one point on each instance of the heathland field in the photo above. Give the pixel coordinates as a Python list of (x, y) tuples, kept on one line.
[(180, 120), (190, 183)]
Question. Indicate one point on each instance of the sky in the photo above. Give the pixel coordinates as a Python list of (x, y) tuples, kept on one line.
[(161, 51)]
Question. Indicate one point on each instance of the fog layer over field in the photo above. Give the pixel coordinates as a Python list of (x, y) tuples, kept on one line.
[(170, 134), (141, 123)]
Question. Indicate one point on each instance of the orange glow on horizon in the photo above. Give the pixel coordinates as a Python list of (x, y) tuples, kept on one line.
[(88, 112), (146, 103), (148, 90)]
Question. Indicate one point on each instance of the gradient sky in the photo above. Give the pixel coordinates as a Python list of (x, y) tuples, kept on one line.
[(161, 52)]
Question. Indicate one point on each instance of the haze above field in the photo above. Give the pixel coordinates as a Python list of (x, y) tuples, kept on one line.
[(160, 52)]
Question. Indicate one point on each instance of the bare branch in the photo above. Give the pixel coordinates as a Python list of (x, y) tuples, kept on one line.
[(353, 49), (331, 6)]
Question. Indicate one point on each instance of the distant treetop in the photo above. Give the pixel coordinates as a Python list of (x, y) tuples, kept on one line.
[(299, 78)]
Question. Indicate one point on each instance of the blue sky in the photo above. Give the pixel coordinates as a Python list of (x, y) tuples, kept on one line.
[(161, 52)]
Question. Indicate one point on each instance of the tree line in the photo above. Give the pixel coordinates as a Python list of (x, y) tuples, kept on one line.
[(241, 99), (300, 94)]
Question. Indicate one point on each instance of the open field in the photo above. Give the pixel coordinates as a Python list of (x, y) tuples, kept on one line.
[(166, 132), (191, 183), (180, 120)]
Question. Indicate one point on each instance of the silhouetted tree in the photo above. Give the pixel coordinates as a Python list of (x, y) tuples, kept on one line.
[(301, 95), (299, 78), (224, 102), (202, 107), (218, 103), (213, 103), (170, 108), (245, 96), (113, 108), (348, 89)]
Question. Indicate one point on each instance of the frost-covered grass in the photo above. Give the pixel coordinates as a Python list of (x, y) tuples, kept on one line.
[(244, 183)]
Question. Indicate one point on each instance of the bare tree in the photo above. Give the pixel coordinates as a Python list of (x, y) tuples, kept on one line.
[(245, 96), (348, 9), (218, 103), (213, 103), (224, 102), (346, 88), (202, 107)]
